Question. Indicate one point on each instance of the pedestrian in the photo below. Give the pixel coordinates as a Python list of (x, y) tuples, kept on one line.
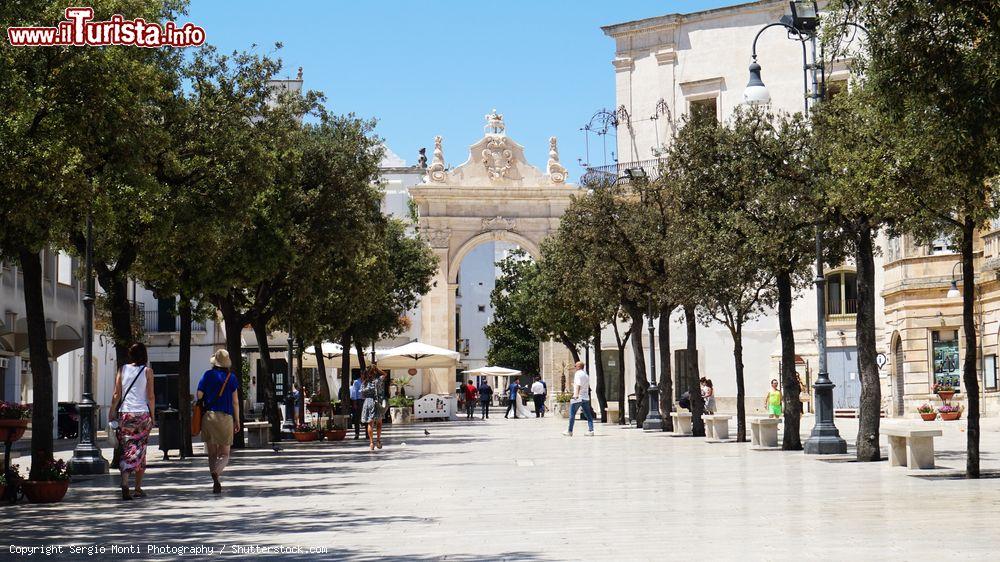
[(373, 410), (773, 401), (356, 402), (132, 417), (581, 399), (485, 398), (512, 390), (218, 394), (709, 397), (538, 394), (292, 405), (470, 400)]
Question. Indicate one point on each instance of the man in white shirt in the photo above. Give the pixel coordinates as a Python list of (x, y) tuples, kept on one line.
[(538, 394), (581, 399)]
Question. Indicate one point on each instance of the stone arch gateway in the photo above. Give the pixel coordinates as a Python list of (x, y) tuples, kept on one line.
[(494, 195)]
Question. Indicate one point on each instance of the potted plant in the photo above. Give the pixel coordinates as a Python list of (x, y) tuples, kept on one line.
[(949, 412), (318, 404), (337, 429), (51, 487), (944, 391), (401, 409), (927, 412), (305, 432), (13, 420), (562, 404)]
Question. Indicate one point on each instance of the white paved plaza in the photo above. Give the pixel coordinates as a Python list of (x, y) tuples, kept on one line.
[(518, 490)]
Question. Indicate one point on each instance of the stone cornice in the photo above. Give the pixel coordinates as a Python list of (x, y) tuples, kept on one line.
[(669, 21)]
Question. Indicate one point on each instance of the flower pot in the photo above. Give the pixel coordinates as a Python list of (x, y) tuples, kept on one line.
[(562, 410), (305, 436), (946, 395), (340, 421), (335, 434), (928, 416), (400, 416), (12, 430), (45, 491), (950, 416)]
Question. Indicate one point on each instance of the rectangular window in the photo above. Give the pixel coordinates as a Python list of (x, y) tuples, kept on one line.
[(833, 295), (612, 374), (943, 244), (990, 372), (704, 109), (64, 269), (944, 355)]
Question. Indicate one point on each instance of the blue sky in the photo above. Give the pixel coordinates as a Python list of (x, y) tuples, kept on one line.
[(436, 67)]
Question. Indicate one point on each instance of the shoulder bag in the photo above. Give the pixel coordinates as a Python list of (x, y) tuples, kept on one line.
[(199, 407)]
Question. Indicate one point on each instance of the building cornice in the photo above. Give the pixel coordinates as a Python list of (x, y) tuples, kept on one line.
[(672, 21)]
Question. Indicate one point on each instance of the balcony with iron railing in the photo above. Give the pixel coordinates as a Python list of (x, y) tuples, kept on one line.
[(617, 170), (842, 307), (153, 321)]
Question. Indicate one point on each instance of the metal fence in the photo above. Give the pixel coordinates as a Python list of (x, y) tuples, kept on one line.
[(153, 321)]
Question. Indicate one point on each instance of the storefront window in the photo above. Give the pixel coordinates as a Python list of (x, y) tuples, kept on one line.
[(944, 349)]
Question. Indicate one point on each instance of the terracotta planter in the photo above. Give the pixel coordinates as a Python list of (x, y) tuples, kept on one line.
[(928, 416), (45, 492), (305, 436), (336, 434), (12, 430), (946, 395), (950, 416)]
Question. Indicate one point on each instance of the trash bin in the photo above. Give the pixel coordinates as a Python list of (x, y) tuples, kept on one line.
[(632, 409), (169, 422)]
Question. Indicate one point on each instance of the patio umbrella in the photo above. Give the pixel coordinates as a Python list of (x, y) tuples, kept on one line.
[(416, 355), (332, 354), (493, 371)]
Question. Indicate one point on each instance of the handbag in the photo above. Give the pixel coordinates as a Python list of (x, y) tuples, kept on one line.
[(199, 407)]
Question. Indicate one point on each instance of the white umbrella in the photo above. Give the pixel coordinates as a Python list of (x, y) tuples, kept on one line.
[(416, 355), (332, 353), (494, 371)]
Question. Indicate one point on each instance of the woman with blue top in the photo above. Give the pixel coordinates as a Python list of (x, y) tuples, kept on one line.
[(217, 391)]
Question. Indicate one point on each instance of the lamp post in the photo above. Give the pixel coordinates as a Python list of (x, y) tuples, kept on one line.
[(802, 26), (653, 421), (87, 458)]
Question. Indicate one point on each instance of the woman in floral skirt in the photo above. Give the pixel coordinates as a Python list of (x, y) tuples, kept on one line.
[(134, 400), (373, 391)]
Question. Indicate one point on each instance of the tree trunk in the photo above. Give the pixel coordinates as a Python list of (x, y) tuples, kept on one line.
[(345, 367), (621, 371), (361, 355), (792, 441), (871, 389), (324, 385), (641, 382), (298, 374), (270, 393), (234, 345), (694, 380), (741, 407), (602, 400), (184, 376), (666, 377), (116, 288), (41, 369), (571, 347), (969, 368)]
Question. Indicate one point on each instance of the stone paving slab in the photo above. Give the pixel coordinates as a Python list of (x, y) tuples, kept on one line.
[(518, 490)]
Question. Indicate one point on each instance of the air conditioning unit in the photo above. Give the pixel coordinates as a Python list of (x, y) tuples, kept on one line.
[(4, 361)]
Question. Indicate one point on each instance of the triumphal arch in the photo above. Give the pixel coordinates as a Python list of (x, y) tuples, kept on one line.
[(494, 195)]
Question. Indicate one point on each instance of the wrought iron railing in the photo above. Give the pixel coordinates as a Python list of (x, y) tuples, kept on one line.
[(153, 321), (617, 171)]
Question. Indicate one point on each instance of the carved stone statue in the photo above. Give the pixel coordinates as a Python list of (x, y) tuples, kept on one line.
[(557, 172), (436, 169), (422, 161), (494, 123), (497, 157), (299, 76)]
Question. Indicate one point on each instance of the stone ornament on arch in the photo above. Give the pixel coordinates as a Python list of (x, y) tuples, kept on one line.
[(438, 237), (436, 171), (499, 223)]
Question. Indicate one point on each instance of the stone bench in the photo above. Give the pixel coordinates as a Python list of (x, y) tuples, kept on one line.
[(911, 447), (716, 427), (682, 423), (614, 416), (764, 433), (258, 434)]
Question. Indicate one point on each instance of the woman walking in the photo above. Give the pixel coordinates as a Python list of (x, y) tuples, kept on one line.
[(217, 392), (373, 391), (133, 415)]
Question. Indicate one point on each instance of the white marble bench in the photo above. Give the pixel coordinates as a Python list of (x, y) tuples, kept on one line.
[(910, 447), (716, 426), (258, 434), (764, 433), (682, 423)]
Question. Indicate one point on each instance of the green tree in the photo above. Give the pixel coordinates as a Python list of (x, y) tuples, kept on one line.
[(931, 67), (513, 343)]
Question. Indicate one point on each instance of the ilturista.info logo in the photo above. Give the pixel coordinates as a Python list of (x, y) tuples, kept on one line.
[(80, 30)]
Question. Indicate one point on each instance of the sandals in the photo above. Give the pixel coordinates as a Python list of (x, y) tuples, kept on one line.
[(216, 485), (138, 493), (371, 446), (126, 495), (379, 444)]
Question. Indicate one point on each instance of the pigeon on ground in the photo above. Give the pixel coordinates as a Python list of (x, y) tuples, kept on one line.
[(276, 449), (427, 432)]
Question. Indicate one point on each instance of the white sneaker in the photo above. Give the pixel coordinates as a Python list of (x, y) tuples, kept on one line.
[(590, 434), (567, 434)]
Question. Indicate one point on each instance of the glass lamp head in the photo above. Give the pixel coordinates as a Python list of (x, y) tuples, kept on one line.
[(756, 92)]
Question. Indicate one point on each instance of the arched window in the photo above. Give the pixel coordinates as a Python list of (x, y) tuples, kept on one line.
[(897, 374), (841, 293)]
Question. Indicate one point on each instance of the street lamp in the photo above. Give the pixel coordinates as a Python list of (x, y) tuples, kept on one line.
[(953, 292), (653, 421), (87, 458), (801, 26)]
